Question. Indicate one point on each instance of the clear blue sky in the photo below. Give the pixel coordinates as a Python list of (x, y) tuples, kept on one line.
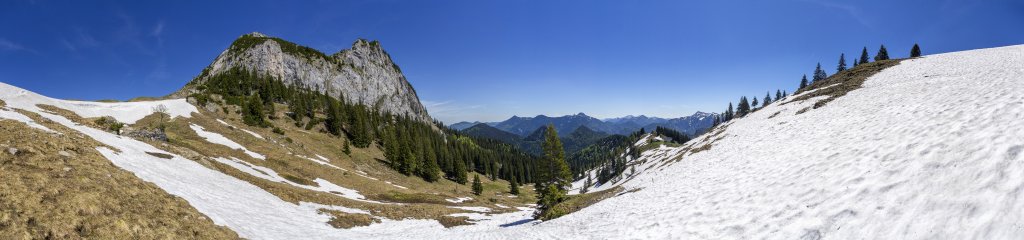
[(489, 60)]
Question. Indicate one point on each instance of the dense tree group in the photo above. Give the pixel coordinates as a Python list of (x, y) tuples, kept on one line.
[(412, 147)]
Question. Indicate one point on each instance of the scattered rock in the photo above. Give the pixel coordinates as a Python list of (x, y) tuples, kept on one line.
[(64, 153), (12, 151), (145, 133)]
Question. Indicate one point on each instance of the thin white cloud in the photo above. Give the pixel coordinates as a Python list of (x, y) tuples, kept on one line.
[(158, 29), (7, 45), (449, 110), (851, 10)]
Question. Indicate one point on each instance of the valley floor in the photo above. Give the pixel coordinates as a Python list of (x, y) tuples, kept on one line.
[(930, 148)]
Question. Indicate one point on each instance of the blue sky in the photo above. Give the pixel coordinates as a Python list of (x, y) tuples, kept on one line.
[(489, 60)]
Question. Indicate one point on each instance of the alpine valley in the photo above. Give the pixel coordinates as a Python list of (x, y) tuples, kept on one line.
[(276, 140)]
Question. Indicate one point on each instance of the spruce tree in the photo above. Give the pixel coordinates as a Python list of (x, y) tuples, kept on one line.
[(803, 82), (346, 149), (586, 185), (785, 94), (729, 113), (513, 187), (819, 74), (333, 123), (478, 187), (842, 63), (459, 172), (753, 104), (553, 176), (915, 51), (882, 54), (864, 56), (767, 98), (743, 107), (778, 94), (252, 112)]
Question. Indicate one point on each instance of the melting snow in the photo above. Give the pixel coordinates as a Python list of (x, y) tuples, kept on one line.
[(220, 139)]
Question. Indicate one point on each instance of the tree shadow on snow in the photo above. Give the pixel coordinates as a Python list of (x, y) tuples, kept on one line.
[(516, 223)]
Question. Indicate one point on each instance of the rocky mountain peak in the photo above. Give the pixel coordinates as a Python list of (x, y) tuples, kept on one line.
[(363, 74)]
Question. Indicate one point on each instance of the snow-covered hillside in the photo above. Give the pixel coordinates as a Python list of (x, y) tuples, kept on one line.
[(930, 148)]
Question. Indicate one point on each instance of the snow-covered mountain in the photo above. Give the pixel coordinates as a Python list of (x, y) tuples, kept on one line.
[(928, 149)]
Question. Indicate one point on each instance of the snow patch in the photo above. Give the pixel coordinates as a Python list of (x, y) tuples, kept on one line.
[(220, 139)]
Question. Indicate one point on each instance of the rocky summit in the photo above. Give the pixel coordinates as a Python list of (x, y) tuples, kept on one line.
[(363, 74)]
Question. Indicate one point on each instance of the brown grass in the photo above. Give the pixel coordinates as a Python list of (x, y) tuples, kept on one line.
[(47, 194), (345, 220), (844, 82), (577, 202)]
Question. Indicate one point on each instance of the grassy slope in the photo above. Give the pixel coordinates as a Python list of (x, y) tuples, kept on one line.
[(427, 200), (59, 186)]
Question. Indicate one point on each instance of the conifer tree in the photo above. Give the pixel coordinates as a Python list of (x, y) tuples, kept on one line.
[(864, 56), (842, 63), (778, 94), (459, 173), (333, 123), (513, 187), (882, 54), (767, 98), (729, 113), (784, 93), (743, 107), (753, 104), (478, 187), (553, 174), (346, 149), (803, 82), (586, 185), (915, 51), (819, 74), (855, 63), (252, 112)]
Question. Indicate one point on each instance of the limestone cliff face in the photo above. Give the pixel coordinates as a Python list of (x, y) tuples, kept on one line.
[(363, 74)]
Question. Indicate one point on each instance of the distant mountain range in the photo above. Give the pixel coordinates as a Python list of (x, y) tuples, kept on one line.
[(524, 126), (572, 142)]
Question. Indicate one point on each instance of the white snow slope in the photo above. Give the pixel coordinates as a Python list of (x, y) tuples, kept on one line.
[(928, 149)]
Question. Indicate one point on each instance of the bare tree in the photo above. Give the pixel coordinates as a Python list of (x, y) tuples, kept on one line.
[(162, 111)]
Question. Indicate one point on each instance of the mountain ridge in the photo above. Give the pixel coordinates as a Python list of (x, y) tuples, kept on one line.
[(364, 73)]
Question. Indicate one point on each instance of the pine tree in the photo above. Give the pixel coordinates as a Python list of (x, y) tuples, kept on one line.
[(334, 121), (753, 104), (743, 107), (478, 188), (819, 74), (729, 113), (553, 176), (513, 187), (882, 54), (785, 94), (346, 149), (915, 51), (803, 82), (459, 172), (778, 94), (864, 56), (767, 98), (586, 185), (252, 112), (842, 63)]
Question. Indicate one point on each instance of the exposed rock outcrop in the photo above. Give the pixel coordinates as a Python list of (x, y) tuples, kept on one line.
[(363, 74)]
